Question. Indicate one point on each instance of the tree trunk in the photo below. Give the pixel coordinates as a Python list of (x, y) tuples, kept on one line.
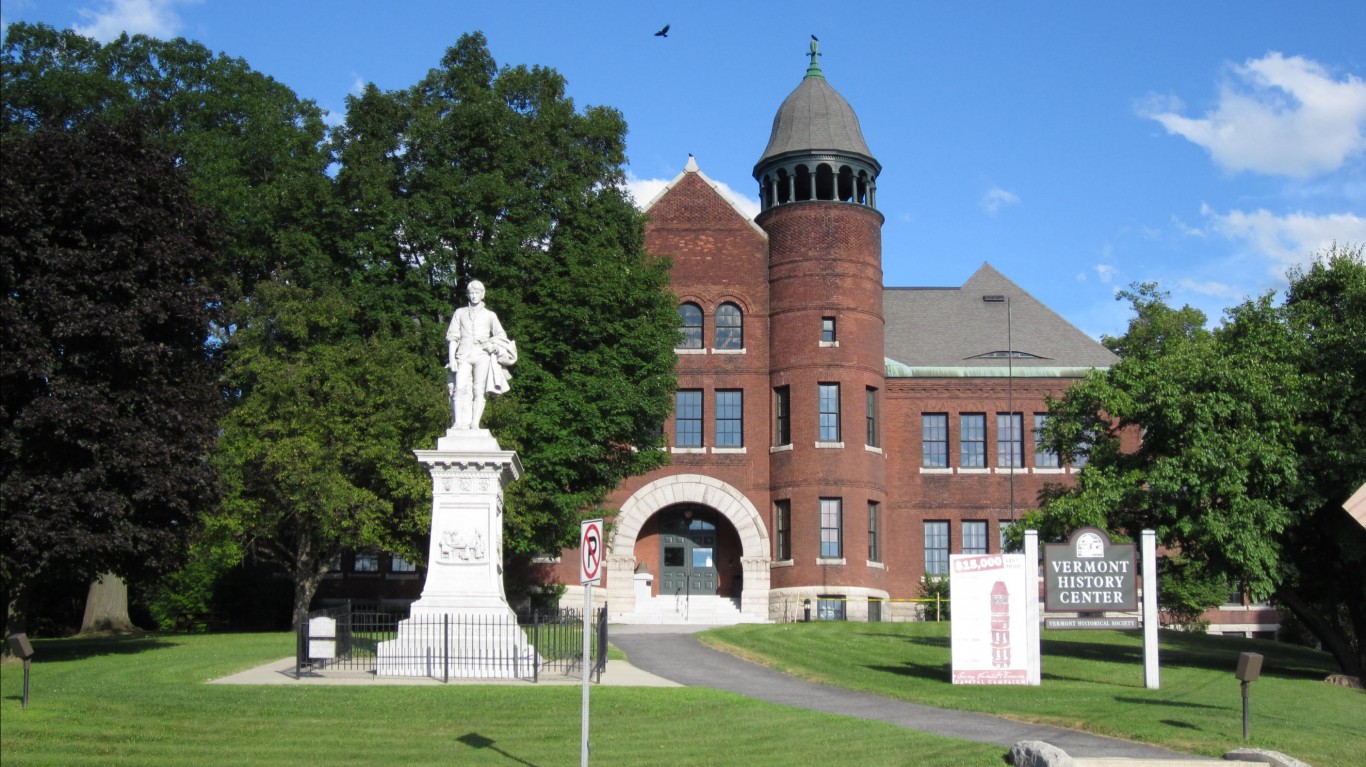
[(106, 606), (1337, 643)]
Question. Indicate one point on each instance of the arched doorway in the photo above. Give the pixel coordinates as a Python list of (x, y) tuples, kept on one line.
[(725, 502)]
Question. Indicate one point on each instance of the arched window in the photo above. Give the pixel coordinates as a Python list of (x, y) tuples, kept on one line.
[(730, 331), (690, 323)]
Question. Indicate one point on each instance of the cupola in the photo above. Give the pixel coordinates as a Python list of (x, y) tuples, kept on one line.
[(816, 150)]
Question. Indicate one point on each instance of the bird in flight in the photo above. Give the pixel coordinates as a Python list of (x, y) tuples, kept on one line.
[(663, 32)]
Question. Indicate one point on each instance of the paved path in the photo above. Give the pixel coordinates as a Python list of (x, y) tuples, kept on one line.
[(674, 653)]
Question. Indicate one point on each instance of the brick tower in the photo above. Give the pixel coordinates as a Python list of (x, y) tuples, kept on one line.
[(817, 191)]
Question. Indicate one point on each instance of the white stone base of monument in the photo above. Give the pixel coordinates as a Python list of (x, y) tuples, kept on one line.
[(465, 645), (462, 625)]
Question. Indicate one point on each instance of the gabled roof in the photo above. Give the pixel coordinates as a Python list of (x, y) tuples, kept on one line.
[(938, 330), (691, 169)]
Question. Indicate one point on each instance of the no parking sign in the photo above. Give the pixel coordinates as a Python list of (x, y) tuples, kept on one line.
[(590, 552)]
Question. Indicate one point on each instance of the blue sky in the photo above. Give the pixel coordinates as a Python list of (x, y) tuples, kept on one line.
[(1078, 147)]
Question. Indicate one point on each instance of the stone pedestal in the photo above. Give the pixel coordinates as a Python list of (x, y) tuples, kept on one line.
[(462, 626)]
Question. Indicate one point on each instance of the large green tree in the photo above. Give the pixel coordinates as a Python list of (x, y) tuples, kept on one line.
[(1249, 439), (253, 150), (108, 392), (489, 173), (316, 454)]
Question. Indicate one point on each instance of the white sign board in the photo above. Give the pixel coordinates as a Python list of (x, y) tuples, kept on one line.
[(322, 637), (591, 547), (989, 594)]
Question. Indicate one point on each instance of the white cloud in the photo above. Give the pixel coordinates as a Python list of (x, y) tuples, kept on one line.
[(1282, 116), (109, 19), (1288, 239), (1211, 288), (997, 198), (1106, 273)]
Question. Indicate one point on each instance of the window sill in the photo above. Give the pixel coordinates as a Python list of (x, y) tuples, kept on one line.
[(728, 450), (780, 563), (1008, 470), (687, 450), (935, 470), (1049, 470), (830, 344), (873, 449), (728, 351), (781, 448), (877, 565), (830, 561), (829, 445), (403, 576), (974, 471), (690, 351)]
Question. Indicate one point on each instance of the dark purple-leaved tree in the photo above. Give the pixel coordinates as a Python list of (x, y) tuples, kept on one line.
[(109, 394)]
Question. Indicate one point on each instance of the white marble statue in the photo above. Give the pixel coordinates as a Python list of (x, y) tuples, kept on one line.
[(480, 354)]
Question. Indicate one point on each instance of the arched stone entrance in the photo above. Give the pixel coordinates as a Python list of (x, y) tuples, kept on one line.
[(689, 489)]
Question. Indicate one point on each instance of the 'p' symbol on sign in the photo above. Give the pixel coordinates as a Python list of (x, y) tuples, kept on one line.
[(590, 552)]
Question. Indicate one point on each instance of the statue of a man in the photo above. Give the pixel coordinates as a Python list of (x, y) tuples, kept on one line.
[(480, 352)]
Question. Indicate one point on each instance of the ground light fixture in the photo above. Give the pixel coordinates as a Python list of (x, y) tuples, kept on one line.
[(1249, 669), (22, 649)]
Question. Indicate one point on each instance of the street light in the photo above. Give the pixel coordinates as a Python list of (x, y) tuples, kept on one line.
[(1010, 397)]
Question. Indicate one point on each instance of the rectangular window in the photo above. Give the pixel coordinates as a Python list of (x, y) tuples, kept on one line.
[(782, 524), (782, 416), (974, 537), (874, 528), (688, 418), (1083, 454), (366, 562), (1043, 459), (832, 514), (937, 548), (1009, 440), (829, 608), (829, 412), (972, 440), (871, 418), (398, 564), (828, 330), (934, 440), (730, 423)]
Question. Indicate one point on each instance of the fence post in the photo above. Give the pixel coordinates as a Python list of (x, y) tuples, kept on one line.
[(535, 646), (446, 647)]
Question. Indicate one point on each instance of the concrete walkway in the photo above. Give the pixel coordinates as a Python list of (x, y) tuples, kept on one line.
[(673, 653)]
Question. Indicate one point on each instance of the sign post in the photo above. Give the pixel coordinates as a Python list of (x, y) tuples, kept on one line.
[(590, 573)]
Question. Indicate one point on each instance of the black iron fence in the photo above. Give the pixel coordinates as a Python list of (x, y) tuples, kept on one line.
[(341, 639)]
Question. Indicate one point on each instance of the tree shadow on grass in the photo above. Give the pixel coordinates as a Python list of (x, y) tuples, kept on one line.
[(57, 650), (926, 641)]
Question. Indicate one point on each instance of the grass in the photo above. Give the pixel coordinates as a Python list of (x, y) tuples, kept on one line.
[(1092, 680), (143, 701)]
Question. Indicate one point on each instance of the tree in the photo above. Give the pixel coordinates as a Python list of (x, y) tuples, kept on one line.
[(1251, 438), (108, 392), (253, 150), (481, 172), (315, 454)]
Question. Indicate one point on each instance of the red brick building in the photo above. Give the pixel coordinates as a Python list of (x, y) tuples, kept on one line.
[(833, 439)]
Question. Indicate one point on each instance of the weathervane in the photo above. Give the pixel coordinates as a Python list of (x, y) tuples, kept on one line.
[(814, 70)]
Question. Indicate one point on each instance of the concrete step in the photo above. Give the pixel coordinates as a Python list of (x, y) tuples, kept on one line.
[(705, 610)]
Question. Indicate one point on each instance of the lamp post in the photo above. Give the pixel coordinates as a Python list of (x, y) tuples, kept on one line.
[(1016, 458)]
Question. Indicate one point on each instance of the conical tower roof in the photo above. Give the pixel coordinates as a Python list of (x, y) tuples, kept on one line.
[(815, 118)]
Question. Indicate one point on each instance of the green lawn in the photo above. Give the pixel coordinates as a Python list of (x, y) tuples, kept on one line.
[(1092, 680), (143, 701)]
